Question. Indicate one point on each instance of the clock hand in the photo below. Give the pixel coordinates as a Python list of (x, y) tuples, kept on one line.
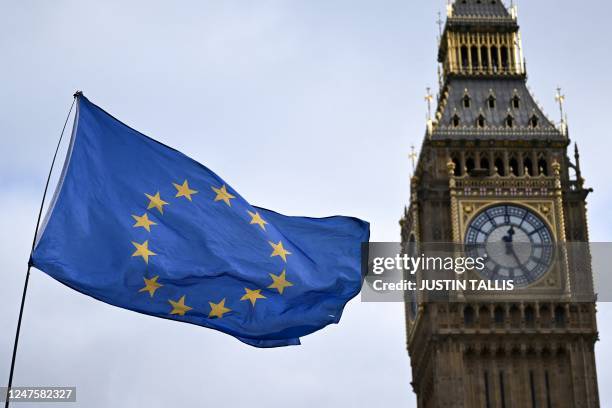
[(516, 258), (509, 235), (508, 239)]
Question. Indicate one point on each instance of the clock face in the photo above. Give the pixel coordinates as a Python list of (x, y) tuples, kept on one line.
[(515, 242)]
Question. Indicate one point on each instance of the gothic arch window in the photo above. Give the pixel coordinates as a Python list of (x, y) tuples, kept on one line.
[(547, 385), (502, 389), (545, 317), (515, 316), (560, 316), (499, 166), (458, 168), (513, 166), (516, 102), (509, 121), (484, 56), (491, 102), (504, 57), (468, 316), (464, 57), (474, 52), (543, 166), (486, 390), (467, 101), (499, 315), (469, 165), (484, 316), (480, 122), (494, 58), (528, 166), (529, 316), (455, 120), (484, 163), (534, 121)]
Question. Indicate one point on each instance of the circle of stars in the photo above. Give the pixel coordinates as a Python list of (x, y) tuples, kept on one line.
[(179, 306)]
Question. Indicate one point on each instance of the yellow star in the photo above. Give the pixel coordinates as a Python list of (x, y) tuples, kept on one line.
[(184, 190), (279, 250), (256, 219), (151, 285), (179, 307), (279, 282), (218, 309), (143, 221), (252, 295), (143, 250), (223, 195), (156, 202)]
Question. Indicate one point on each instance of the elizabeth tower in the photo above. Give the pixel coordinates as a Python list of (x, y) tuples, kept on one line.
[(494, 168)]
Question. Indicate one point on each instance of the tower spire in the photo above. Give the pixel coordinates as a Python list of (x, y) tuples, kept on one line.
[(428, 99), (577, 163), (413, 157), (560, 98)]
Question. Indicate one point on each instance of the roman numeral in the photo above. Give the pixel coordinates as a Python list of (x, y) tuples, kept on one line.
[(537, 230)]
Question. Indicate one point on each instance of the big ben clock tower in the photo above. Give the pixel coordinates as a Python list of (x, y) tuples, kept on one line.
[(494, 169)]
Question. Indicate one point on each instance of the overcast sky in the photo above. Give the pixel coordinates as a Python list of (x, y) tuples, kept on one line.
[(325, 98)]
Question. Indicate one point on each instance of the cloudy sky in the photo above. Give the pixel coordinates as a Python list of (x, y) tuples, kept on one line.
[(307, 107)]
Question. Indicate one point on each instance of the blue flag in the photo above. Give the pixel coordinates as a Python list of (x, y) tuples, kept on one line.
[(139, 225)]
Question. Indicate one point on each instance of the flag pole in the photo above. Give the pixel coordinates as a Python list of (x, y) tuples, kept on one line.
[(27, 277)]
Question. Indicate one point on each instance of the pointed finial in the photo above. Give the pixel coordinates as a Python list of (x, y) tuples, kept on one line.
[(576, 154), (428, 99), (439, 22), (413, 157), (577, 164), (560, 98), (513, 9)]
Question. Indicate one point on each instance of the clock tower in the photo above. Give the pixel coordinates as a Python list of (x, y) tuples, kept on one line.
[(493, 169)]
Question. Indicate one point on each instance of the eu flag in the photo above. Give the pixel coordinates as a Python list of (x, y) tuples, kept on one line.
[(139, 225)]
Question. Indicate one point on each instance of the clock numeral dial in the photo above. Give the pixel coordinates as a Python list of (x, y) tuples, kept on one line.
[(516, 243)]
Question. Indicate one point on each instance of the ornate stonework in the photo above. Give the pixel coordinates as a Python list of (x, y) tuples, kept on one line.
[(490, 144)]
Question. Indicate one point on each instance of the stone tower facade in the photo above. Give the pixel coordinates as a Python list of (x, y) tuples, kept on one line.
[(492, 164)]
